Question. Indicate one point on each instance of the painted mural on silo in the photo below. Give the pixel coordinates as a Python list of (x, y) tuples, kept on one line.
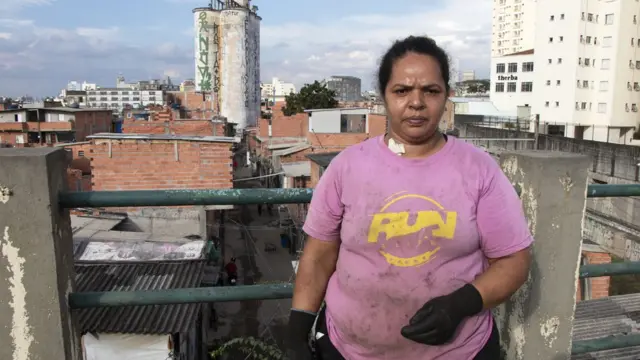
[(206, 48), (254, 78), (234, 91)]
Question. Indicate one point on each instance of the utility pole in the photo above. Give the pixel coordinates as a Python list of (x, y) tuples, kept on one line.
[(536, 132)]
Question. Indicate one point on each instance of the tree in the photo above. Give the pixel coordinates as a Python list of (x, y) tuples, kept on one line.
[(311, 96)]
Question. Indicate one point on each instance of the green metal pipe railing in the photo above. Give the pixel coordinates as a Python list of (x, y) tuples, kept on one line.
[(605, 343), (182, 197), (612, 269)]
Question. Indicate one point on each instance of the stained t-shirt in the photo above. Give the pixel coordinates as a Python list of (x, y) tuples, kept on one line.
[(410, 229)]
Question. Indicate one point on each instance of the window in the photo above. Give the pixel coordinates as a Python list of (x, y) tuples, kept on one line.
[(578, 83), (604, 86), (551, 18), (585, 84), (602, 108), (558, 82), (561, 16), (526, 87), (587, 62), (499, 87), (548, 82), (511, 87), (557, 103), (635, 19), (550, 40), (500, 68), (582, 16), (607, 41), (589, 17), (637, 64), (583, 106), (550, 61), (546, 104), (527, 67), (579, 61), (81, 153), (606, 63), (561, 38), (608, 19), (588, 39), (353, 123), (559, 60), (513, 67)]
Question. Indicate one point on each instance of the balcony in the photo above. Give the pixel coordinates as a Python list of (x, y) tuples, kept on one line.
[(13, 126), (37, 256)]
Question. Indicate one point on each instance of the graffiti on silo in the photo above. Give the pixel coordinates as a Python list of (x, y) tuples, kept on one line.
[(234, 66), (205, 49), (254, 69)]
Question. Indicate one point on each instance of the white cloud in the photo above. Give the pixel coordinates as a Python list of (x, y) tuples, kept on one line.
[(352, 45)]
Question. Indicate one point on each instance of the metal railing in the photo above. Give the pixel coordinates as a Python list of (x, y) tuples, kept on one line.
[(283, 291)]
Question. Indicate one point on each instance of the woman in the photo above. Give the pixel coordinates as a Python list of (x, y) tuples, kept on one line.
[(412, 237)]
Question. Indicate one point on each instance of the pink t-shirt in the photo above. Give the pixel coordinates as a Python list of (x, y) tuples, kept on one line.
[(410, 229)]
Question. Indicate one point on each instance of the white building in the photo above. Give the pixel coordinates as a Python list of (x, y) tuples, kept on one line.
[(512, 79), (587, 59), (468, 75), (118, 99), (276, 88), (513, 27)]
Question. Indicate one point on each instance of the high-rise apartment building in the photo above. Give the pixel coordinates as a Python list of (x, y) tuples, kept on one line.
[(347, 88), (587, 58), (513, 26)]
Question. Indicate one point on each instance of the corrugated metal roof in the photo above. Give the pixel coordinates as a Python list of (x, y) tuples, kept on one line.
[(291, 150), (322, 159), (151, 137), (296, 169), (158, 320), (615, 315)]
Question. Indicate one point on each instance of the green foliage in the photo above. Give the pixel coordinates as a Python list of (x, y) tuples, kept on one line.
[(252, 347), (311, 96), (623, 284), (475, 86)]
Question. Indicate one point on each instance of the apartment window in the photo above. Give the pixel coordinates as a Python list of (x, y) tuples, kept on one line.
[(602, 108), (550, 61), (588, 38), (577, 105), (526, 87), (551, 18), (635, 19), (559, 60), (527, 67), (561, 16), (550, 40), (595, 40), (585, 84), (581, 38), (634, 107), (607, 41), (352, 123), (583, 106), (606, 63), (511, 87), (499, 87), (589, 17), (500, 68), (582, 16), (546, 104), (638, 42), (608, 19), (578, 83), (558, 82), (557, 103), (604, 86), (548, 82), (513, 67), (579, 61)]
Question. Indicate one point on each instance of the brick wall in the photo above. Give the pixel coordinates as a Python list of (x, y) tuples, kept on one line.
[(77, 181), (600, 285), (152, 165), (284, 126), (176, 127), (377, 124), (92, 122), (195, 106)]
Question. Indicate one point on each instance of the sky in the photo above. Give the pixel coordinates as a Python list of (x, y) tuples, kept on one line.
[(44, 44)]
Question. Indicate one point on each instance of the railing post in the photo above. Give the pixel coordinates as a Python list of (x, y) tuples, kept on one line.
[(36, 257), (536, 323)]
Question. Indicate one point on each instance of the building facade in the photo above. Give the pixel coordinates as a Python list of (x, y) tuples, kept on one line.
[(512, 78), (513, 26), (120, 98), (276, 88), (347, 88), (587, 56)]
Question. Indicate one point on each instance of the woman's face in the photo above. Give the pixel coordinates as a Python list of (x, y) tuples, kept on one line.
[(415, 97)]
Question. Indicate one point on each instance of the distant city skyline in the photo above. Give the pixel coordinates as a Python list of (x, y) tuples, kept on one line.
[(44, 44)]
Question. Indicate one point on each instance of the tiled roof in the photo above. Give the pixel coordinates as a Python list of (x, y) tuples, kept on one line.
[(615, 315), (131, 276)]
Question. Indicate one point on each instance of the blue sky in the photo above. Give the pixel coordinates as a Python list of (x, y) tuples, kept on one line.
[(46, 43)]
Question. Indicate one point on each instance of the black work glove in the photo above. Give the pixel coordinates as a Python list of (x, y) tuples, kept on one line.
[(298, 332), (437, 321)]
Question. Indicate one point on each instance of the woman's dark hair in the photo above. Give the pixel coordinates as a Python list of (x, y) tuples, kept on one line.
[(422, 45)]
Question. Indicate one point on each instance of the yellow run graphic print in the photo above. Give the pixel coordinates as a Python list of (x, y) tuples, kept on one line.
[(410, 238)]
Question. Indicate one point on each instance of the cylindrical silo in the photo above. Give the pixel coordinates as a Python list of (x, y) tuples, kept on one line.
[(206, 22), (253, 36), (234, 92)]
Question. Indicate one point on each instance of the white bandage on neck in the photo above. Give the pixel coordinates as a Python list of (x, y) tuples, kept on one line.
[(396, 147)]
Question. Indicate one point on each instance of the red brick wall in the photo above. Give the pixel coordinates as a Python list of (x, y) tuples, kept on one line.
[(600, 285), (284, 126), (92, 122), (196, 107), (377, 124), (77, 181), (151, 165), (176, 127)]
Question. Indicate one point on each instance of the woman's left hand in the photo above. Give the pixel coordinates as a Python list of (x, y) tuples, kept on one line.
[(436, 322)]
